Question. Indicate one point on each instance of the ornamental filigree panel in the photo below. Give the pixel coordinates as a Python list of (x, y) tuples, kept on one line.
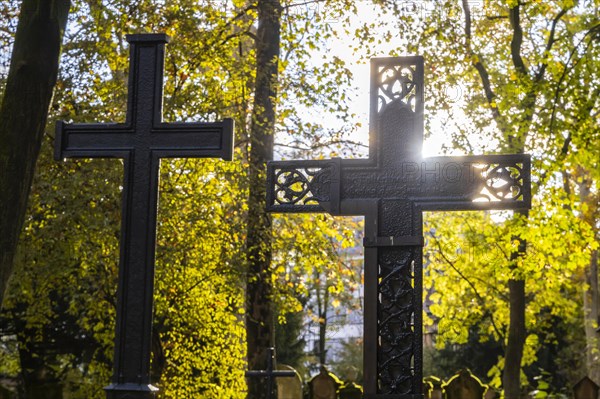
[(396, 83), (296, 186), (396, 320), (501, 182)]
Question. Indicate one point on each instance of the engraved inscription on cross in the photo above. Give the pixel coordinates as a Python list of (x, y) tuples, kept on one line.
[(141, 142), (391, 189)]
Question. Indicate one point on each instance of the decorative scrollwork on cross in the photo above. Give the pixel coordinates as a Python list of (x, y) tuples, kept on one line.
[(292, 186), (299, 188), (395, 314), (501, 182), (396, 83)]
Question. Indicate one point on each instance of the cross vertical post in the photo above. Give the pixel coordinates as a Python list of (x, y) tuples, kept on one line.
[(141, 142), (391, 189)]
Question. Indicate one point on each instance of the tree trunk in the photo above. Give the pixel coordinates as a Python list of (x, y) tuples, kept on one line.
[(590, 293), (590, 314), (23, 113), (511, 378), (517, 333), (511, 375), (259, 308), (323, 325)]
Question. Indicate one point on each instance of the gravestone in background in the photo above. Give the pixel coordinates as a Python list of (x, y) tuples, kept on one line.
[(490, 394), (351, 390), (435, 388), (427, 388), (586, 389), (288, 387), (464, 386), (323, 385)]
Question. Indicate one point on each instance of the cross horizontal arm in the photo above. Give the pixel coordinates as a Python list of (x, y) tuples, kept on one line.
[(474, 182), (194, 139), (436, 183), (166, 140), (91, 140)]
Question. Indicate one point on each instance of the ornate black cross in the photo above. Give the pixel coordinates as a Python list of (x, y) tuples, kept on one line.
[(141, 142), (391, 189), (270, 373)]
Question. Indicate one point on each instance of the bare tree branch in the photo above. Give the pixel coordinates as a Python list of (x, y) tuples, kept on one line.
[(321, 145), (517, 40), (568, 68), (302, 4), (549, 44), (477, 62)]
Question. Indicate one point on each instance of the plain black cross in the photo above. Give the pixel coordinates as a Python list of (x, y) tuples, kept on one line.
[(141, 142), (270, 373), (391, 189)]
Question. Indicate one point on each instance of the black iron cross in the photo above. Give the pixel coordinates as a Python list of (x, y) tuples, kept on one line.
[(141, 142), (270, 373), (391, 189)]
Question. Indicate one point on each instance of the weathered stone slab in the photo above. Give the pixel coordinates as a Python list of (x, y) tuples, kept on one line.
[(324, 385), (464, 385), (586, 389), (288, 387)]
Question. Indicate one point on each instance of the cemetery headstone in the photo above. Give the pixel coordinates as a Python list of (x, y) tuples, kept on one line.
[(141, 142), (586, 389), (490, 394), (464, 385), (351, 390), (427, 388), (289, 387), (435, 391), (324, 385), (391, 189), (271, 373)]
